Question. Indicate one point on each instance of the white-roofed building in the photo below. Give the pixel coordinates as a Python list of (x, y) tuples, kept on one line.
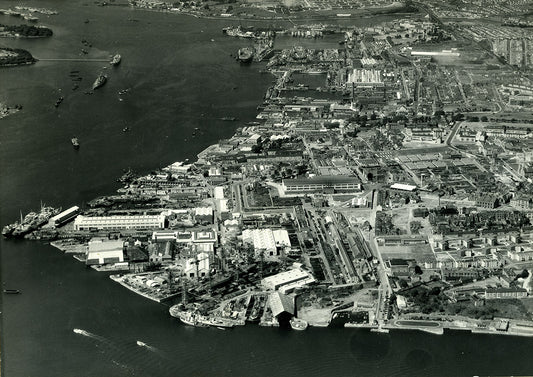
[(218, 192), (403, 187), (102, 251), (288, 280), (119, 222), (197, 267), (265, 242), (203, 215), (282, 306)]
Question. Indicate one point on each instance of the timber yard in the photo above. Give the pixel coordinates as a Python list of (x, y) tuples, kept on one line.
[(386, 182)]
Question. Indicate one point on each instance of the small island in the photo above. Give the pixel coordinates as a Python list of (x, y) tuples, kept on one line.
[(24, 31), (15, 56)]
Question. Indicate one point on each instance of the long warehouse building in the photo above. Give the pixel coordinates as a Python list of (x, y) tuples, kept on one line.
[(119, 222)]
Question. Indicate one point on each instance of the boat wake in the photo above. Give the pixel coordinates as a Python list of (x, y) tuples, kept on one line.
[(91, 335), (148, 347)]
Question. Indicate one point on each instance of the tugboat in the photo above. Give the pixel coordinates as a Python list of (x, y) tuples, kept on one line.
[(116, 60), (245, 55), (100, 81), (75, 142)]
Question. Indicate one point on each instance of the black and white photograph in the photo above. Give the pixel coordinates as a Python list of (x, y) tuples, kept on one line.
[(259, 188)]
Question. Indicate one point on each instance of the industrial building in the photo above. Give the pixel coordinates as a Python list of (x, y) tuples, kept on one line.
[(323, 184), (197, 267), (102, 251), (119, 222), (267, 243), (287, 281), (65, 216)]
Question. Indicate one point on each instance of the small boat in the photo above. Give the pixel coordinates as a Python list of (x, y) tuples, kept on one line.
[(125, 129), (75, 142), (100, 81), (141, 344), (116, 60), (12, 291), (229, 119), (298, 324), (220, 328), (58, 102), (81, 332)]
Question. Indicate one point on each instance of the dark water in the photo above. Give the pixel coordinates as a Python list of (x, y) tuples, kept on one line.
[(176, 74)]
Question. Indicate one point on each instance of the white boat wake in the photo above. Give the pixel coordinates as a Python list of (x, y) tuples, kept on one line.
[(148, 347), (91, 335)]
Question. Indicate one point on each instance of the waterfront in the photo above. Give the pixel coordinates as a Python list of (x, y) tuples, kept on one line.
[(165, 105)]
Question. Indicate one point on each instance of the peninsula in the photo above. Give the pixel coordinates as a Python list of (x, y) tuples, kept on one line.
[(25, 31), (385, 183), (14, 57)]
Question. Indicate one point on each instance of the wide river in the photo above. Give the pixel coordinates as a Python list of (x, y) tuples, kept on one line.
[(180, 76)]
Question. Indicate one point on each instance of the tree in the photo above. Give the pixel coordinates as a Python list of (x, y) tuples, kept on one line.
[(415, 226)]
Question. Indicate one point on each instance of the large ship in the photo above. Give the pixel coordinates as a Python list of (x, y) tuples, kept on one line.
[(218, 322), (9, 229), (100, 81), (29, 223), (245, 54), (188, 317), (116, 60)]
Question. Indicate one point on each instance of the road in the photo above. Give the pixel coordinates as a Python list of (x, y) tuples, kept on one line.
[(452, 133)]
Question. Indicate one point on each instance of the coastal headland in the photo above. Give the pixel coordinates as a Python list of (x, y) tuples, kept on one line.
[(363, 194)]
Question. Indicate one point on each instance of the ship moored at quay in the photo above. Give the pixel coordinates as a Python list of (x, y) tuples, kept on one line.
[(192, 318), (32, 221)]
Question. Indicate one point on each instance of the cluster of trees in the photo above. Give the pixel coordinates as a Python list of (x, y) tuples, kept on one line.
[(473, 221), (385, 226), (428, 300), (379, 142), (27, 30)]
